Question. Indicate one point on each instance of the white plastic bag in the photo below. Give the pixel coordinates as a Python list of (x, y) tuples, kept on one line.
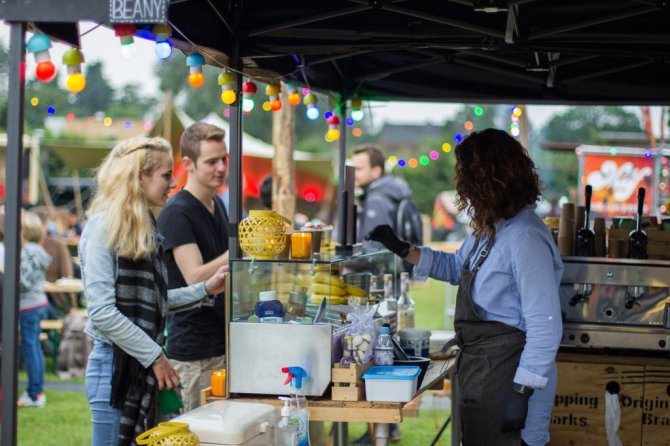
[(612, 418)]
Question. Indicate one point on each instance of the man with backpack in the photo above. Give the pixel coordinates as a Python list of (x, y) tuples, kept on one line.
[(386, 199)]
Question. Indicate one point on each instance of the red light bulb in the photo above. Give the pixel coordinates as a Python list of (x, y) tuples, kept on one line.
[(45, 71)]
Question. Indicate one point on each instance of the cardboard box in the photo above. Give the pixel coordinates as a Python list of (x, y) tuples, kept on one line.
[(643, 386)]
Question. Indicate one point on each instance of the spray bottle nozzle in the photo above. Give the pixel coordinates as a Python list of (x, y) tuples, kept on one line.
[(296, 374)]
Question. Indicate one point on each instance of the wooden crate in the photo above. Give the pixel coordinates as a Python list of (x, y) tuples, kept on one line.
[(348, 383), (578, 416), (658, 243)]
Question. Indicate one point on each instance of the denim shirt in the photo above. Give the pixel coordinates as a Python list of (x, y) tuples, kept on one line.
[(106, 323), (517, 285)]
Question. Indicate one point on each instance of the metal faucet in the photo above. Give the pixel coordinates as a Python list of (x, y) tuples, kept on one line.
[(582, 292), (633, 293)]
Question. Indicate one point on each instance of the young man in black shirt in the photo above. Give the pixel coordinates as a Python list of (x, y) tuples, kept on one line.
[(195, 226)]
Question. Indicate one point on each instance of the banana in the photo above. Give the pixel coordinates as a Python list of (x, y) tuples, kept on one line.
[(304, 280), (332, 300), (355, 291), (329, 279), (322, 288)]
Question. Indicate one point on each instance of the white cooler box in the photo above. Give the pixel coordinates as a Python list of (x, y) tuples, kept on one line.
[(224, 423)]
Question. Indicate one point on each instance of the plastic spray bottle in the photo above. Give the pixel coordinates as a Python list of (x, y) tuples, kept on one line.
[(299, 412), (286, 433)]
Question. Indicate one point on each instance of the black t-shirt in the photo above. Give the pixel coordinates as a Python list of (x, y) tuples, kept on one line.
[(200, 333)]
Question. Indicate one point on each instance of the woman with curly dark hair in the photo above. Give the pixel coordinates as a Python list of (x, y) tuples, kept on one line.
[(508, 316)]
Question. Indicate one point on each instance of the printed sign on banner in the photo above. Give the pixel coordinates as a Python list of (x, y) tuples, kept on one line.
[(615, 181), (138, 11)]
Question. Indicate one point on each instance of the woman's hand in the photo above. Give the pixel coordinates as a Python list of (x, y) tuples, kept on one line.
[(216, 284), (384, 234), (166, 375)]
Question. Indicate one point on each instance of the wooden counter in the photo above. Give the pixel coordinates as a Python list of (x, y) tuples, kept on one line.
[(356, 411)]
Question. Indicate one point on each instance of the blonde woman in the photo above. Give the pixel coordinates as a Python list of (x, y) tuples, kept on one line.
[(124, 275), (33, 305)]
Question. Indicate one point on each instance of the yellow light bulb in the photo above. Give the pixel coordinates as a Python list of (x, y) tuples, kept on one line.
[(228, 97), (333, 135), (75, 82), (267, 106)]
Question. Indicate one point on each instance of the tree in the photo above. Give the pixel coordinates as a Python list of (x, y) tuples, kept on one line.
[(583, 125), (98, 94), (580, 125), (131, 104)]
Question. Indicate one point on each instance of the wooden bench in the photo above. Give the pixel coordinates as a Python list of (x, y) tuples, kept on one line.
[(51, 331)]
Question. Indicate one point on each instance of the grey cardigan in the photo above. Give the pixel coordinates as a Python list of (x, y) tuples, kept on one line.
[(106, 323)]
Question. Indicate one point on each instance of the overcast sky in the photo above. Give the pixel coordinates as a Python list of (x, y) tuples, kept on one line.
[(100, 44)]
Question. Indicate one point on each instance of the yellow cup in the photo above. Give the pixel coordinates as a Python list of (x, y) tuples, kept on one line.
[(218, 382), (301, 245)]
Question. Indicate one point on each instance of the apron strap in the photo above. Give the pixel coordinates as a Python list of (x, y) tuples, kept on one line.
[(482, 255)]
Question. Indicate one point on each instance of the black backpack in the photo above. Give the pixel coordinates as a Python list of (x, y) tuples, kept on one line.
[(408, 224)]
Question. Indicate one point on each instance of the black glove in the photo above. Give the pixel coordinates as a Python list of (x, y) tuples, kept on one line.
[(385, 235), (515, 409)]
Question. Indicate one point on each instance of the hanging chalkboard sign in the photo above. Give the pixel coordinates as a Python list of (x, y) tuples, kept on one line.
[(138, 11)]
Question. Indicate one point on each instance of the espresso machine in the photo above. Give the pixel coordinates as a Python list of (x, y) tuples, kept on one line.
[(616, 303)]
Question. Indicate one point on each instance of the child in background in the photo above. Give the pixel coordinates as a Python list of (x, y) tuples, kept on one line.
[(33, 305)]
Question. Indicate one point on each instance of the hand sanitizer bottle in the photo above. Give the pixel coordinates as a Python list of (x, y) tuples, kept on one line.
[(286, 433)]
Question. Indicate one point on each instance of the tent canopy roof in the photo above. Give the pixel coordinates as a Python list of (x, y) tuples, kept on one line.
[(530, 51), (550, 51)]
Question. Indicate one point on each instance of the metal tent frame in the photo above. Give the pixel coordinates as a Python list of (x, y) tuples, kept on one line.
[(527, 51)]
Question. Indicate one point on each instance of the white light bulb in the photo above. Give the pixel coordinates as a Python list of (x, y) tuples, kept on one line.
[(247, 105), (163, 49), (357, 115), (129, 50), (312, 113)]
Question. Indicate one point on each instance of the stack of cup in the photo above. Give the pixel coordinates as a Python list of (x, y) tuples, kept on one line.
[(566, 230)]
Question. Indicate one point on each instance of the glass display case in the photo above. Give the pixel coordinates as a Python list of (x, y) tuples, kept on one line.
[(327, 280), (292, 313)]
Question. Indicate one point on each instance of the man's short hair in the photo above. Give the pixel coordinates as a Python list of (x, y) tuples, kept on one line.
[(189, 145), (374, 153)]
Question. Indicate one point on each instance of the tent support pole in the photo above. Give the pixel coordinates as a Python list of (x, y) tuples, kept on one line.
[(235, 161), (10, 304)]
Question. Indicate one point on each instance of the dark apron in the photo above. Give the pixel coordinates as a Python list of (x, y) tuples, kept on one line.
[(489, 356)]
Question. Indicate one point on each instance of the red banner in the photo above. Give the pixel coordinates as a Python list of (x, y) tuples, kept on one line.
[(615, 181)]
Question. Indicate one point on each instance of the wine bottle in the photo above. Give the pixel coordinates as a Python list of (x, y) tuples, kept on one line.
[(637, 240), (585, 240)]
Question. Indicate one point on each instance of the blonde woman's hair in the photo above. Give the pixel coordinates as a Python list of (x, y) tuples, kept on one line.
[(120, 196), (32, 229)]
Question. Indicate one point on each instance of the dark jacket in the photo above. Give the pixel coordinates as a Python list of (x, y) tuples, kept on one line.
[(379, 204)]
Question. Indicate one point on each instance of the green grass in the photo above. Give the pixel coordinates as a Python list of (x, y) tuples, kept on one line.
[(430, 299), (65, 420), (415, 431)]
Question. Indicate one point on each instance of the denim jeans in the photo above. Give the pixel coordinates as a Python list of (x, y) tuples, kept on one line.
[(105, 419), (31, 349)]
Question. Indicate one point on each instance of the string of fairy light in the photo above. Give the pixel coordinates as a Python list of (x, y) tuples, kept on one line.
[(446, 148), (45, 71)]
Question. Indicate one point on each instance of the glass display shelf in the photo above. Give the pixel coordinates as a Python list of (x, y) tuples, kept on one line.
[(327, 280)]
